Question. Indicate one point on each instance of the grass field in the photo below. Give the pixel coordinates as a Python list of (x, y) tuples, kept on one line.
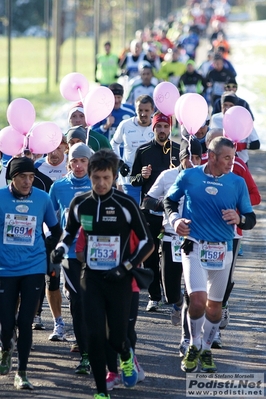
[(28, 71)]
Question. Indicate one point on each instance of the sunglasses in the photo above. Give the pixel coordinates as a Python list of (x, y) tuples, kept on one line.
[(230, 86)]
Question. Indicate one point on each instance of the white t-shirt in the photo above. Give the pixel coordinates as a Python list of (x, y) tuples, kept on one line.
[(54, 172)]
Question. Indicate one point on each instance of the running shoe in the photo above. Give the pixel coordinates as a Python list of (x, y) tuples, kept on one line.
[(5, 362), (183, 347), (84, 365), (240, 251), (37, 323), (176, 315), (112, 380), (207, 363), (129, 372), (58, 333), (191, 360), (152, 306), (225, 317), (141, 374), (21, 381), (217, 342), (101, 396)]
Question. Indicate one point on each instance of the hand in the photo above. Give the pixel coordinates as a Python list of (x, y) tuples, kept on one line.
[(124, 170), (57, 255), (181, 227), (230, 216), (54, 269), (116, 274), (146, 171), (110, 121)]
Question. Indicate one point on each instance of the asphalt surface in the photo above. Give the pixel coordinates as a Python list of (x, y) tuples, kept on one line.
[(51, 365)]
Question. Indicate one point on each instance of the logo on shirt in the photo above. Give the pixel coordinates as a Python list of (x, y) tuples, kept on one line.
[(22, 208), (109, 218), (110, 210), (211, 190)]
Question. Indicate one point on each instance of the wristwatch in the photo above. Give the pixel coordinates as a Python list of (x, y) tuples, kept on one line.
[(242, 219), (128, 265)]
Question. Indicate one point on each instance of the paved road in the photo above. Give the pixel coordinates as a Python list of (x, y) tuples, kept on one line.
[(51, 365)]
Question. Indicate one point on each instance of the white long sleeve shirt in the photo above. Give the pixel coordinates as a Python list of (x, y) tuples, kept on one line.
[(132, 135)]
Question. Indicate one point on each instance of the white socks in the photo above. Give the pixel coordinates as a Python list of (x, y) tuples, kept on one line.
[(209, 329)]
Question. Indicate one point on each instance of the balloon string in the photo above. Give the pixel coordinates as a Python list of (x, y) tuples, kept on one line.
[(189, 147), (80, 95), (25, 146)]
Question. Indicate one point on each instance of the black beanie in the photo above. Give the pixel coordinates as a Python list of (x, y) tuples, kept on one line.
[(191, 146), (77, 132), (19, 165), (229, 97)]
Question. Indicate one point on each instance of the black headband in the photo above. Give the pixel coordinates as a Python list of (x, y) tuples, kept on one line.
[(19, 165)]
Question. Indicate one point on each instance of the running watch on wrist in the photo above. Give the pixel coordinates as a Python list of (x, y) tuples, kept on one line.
[(128, 265), (242, 219)]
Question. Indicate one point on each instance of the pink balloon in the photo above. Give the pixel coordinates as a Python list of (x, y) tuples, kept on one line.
[(21, 115), (237, 123), (193, 112), (11, 141), (74, 87), (165, 96), (44, 137), (98, 104), (178, 107)]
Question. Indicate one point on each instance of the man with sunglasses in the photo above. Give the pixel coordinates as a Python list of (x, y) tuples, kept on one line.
[(231, 85)]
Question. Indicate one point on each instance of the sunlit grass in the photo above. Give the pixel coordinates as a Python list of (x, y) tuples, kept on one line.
[(29, 61)]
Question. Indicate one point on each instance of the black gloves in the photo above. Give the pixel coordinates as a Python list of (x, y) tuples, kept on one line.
[(54, 269), (117, 273), (50, 243), (124, 169), (57, 255)]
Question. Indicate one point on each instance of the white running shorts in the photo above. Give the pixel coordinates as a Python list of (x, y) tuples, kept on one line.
[(197, 278)]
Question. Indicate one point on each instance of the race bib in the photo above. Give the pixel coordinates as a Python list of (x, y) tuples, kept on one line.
[(212, 255), (175, 247), (103, 252), (19, 229), (218, 88)]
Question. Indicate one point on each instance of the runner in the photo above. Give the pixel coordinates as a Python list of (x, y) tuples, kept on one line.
[(23, 262), (150, 160), (207, 222), (62, 192), (107, 217)]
